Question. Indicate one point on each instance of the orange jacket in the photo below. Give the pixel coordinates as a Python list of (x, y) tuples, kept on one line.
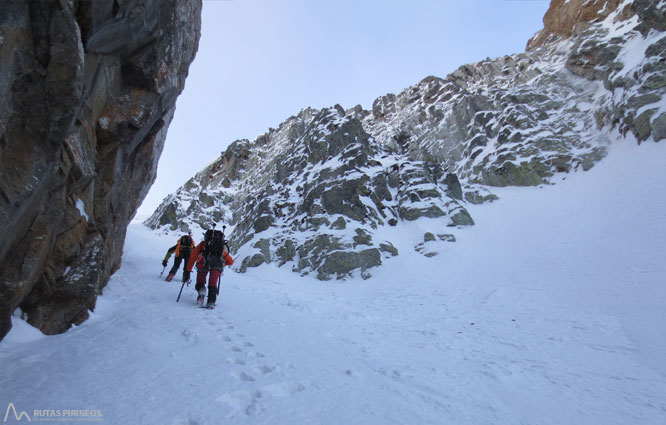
[(177, 247), (228, 260)]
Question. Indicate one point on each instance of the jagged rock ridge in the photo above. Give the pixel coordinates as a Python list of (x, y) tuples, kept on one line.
[(313, 193), (310, 193), (87, 91)]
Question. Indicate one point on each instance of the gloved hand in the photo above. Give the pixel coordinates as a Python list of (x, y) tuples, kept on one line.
[(186, 276), (164, 263)]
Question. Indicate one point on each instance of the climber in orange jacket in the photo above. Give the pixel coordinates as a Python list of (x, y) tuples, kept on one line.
[(182, 249)]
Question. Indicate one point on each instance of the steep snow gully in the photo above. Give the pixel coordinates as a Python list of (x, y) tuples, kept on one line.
[(549, 311)]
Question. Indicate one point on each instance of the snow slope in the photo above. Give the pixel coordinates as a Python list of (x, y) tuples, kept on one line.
[(549, 311)]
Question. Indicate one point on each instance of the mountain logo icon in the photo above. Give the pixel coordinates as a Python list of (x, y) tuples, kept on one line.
[(11, 408)]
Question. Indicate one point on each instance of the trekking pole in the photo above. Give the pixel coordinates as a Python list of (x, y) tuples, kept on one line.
[(226, 243), (181, 290), (163, 271)]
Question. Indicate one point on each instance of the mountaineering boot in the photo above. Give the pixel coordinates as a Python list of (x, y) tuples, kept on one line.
[(212, 295), (168, 279), (210, 305), (202, 295)]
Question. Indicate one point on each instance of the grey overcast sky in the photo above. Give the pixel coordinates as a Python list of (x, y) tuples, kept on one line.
[(261, 61)]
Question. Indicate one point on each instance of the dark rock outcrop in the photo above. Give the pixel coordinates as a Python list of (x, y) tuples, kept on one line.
[(87, 91)]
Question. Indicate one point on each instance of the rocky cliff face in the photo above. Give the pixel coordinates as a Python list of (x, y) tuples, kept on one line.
[(564, 17), (87, 91), (317, 193)]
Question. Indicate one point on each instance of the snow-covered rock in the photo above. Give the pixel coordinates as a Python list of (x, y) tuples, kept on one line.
[(315, 193)]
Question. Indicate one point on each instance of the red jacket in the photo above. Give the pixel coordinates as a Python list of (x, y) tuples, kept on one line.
[(228, 260)]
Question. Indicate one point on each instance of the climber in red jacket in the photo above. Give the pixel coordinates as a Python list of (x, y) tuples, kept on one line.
[(209, 256)]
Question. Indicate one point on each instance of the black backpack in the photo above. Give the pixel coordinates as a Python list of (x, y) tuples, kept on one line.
[(186, 242), (214, 240)]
